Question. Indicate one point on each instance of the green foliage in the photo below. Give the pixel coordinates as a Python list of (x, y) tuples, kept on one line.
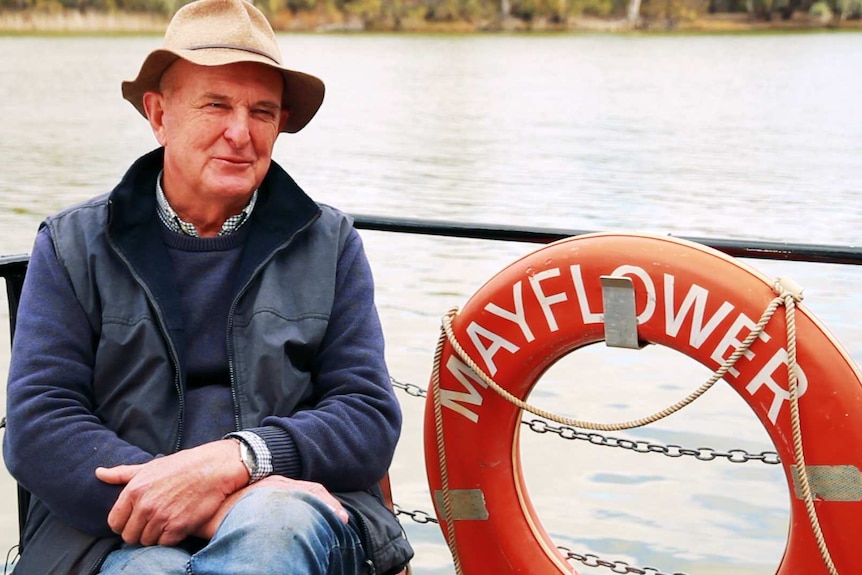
[(455, 10), (151, 6), (402, 14), (821, 10), (552, 10), (295, 5), (365, 9), (599, 8), (154, 6), (850, 9), (669, 13)]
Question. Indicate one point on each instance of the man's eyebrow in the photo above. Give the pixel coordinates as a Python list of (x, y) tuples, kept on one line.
[(214, 96), (268, 104)]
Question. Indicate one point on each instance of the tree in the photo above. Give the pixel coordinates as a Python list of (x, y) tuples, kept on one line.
[(634, 13)]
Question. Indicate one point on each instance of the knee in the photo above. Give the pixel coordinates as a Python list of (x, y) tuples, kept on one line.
[(282, 515), (267, 526), (140, 559)]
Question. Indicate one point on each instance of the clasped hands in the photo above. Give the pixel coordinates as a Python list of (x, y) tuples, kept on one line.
[(189, 493)]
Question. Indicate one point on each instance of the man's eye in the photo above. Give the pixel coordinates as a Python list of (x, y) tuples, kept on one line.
[(264, 113)]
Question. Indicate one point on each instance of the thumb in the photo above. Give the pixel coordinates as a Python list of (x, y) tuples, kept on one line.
[(120, 474)]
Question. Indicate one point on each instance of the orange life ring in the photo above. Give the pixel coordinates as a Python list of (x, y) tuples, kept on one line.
[(689, 298)]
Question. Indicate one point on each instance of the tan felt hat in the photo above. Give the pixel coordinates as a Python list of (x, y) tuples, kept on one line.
[(218, 32)]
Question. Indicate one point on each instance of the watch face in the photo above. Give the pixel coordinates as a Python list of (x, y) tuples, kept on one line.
[(248, 458)]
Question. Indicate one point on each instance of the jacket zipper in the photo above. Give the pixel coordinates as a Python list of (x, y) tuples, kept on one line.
[(231, 313), (97, 565), (162, 326), (367, 543)]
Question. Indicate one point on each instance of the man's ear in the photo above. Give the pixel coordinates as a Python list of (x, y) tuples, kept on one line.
[(282, 119), (154, 106)]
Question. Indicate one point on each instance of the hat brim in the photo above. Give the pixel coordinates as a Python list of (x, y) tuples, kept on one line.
[(302, 97)]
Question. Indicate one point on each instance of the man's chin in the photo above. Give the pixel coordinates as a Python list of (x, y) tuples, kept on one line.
[(230, 188), (235, 183)]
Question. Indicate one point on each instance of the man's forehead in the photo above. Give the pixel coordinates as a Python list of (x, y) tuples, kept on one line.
[(224, 78)]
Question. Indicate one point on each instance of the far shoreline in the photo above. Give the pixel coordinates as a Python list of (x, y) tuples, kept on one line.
[(35, 22)]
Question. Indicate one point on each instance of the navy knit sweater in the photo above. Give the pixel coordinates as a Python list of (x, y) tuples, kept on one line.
[(203, 268)]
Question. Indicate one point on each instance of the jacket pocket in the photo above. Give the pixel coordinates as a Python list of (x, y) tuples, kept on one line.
[(383, 538), (51, 547)]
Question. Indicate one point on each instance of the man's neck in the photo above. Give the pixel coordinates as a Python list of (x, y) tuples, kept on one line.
[(208, 220)]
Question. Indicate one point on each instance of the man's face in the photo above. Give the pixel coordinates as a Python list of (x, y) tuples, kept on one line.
[(218, 125)]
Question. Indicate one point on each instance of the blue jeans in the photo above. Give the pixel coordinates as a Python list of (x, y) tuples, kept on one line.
[(267, 532)]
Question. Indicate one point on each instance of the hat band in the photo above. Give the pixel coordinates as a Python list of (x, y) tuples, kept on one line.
[(232, 47)]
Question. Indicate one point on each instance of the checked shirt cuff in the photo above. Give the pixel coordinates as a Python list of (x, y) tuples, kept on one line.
[(262, 455)]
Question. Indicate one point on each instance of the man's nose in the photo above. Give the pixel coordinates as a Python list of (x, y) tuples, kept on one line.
[(237, 130)]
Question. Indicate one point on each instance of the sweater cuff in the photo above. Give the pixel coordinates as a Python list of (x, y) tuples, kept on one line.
[(285, 455)]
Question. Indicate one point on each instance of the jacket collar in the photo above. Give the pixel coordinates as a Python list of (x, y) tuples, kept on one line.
[(282, 208), (281, 212)]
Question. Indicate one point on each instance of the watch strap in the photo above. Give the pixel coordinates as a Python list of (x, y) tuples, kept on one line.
[(254, 454)]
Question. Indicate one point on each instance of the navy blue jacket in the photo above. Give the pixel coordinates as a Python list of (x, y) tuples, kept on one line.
[(97, 371)]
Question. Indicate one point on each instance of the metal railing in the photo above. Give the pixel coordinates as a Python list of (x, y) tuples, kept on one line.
[(820, 253), (13, 269)]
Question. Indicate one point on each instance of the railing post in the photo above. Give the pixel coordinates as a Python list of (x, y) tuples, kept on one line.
[(12, 270)]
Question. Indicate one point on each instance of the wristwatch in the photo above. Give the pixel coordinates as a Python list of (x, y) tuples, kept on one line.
[(247, 457)]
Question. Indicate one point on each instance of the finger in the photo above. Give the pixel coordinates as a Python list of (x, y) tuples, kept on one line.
[(133, 527), (342, 514), (118, 475), (120, 513), (336, 506), (157, 532), (151, 532), (170, 539), (329, 499), (161, 530)]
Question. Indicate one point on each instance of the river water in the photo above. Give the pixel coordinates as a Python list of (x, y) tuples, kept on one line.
[(706, 136)]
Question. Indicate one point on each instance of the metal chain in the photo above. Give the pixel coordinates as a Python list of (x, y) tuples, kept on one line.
[(639, 446), (587, 559), (409, 388), (590, 560), (12, 555), (416, 515)]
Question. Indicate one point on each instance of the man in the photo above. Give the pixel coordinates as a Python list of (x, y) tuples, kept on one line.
[(197, 381)]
